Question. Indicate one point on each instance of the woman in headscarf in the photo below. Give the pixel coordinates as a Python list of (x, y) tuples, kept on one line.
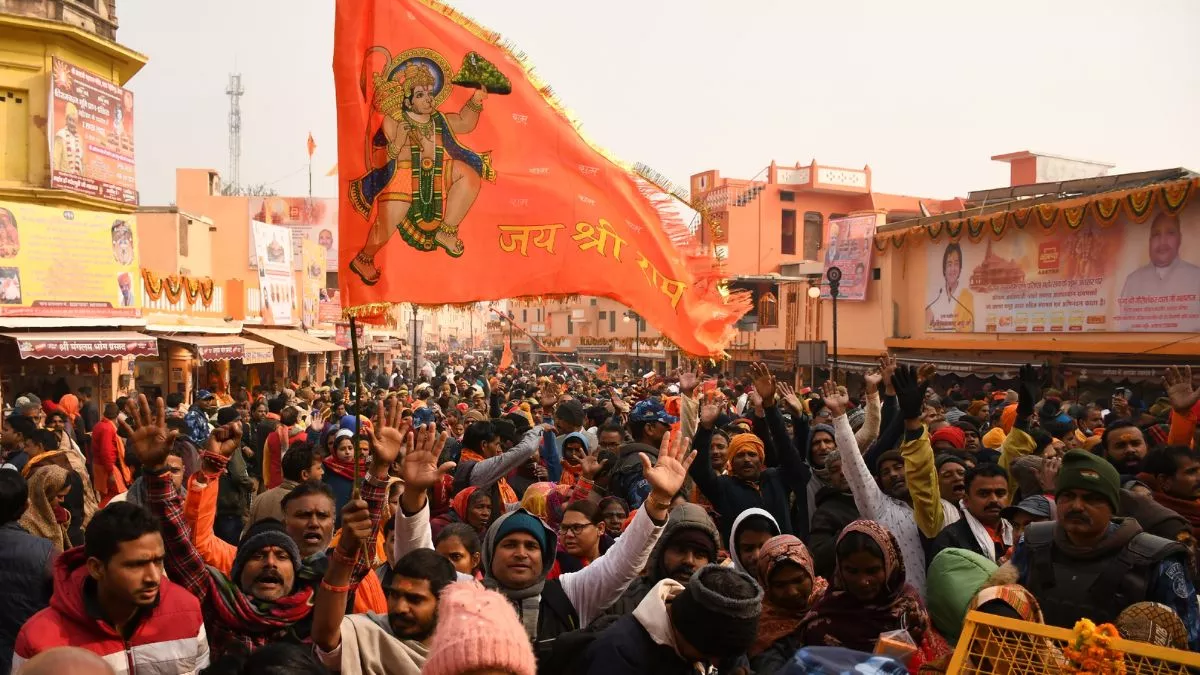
[(790, 588), (870, 597), (46, 517), (472, 506), (69, 406)]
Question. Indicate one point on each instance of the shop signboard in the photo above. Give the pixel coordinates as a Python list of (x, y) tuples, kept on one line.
[(314, 281), (90, 131), (307, 219), (67, 263), (329, 308), (1121, 277), (219, 352), (848, 246), (273, 252), (66, 347)]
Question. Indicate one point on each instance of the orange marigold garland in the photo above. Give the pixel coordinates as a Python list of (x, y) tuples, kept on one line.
[(174, 287), (154, 285), (1090, 653)]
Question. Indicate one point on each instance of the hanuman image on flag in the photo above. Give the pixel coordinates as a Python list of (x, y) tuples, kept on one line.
[(421, 181)]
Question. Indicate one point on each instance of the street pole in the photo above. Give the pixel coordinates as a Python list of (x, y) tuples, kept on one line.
[(637, 342), (834, 275), (415, 339)]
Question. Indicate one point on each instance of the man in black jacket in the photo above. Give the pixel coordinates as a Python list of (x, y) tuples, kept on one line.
[(750, 482), (981, 529), (835, 510)]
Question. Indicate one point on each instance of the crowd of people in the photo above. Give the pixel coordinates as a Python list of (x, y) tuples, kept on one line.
[(476, 520)]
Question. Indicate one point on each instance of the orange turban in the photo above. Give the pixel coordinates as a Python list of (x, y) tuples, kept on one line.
[(994, 438), (740, 443), (1008, 418)]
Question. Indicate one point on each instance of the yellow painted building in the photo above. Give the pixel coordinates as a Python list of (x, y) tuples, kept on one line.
[(29, 41)]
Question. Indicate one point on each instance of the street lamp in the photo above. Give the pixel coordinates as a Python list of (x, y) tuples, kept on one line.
[(834, 275), (637, 341)]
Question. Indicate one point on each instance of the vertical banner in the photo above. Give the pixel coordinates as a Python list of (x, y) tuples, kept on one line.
[(1122, 276), (461, 179), (68, 263), (273, 253), (848, 246), (91, 135), (308, 219), (313, 262)]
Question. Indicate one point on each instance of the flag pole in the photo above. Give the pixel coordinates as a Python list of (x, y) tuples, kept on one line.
[(357, 406)]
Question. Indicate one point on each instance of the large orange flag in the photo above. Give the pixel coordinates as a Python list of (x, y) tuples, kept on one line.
[(461, 180)]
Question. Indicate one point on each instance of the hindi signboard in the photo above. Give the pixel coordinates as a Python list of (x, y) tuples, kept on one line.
[(308, 218), (90, 131), (1122, 277), (67, 263)]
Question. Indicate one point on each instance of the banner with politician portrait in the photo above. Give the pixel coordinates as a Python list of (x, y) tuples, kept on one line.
[(90, 126), (1121, 277), (848, 246)]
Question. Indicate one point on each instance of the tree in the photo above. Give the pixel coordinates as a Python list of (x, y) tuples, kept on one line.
[(259, 190)]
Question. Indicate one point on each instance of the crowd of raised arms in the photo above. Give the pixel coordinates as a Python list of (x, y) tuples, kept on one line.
[(509, 522)]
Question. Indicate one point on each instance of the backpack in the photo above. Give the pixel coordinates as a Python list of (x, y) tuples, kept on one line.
[(559, 651)]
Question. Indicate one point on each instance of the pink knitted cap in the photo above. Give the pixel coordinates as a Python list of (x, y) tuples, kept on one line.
[(478, 629)]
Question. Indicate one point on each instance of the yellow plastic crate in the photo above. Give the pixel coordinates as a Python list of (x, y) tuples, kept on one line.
[(996, 645)]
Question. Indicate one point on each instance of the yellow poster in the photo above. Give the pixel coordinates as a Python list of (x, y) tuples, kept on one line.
[(68, 263), (313, 255)]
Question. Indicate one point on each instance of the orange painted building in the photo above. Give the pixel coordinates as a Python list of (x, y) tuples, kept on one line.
[(771, 231)]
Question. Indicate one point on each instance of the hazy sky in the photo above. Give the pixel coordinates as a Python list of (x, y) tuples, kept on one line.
[(924, 92)]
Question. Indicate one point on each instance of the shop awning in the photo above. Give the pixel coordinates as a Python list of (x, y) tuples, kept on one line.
[(213, 347), (295, 340), (83, 344), (257, 352)]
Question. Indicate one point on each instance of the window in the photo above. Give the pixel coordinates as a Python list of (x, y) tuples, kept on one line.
[(787, 196), (813, 233), (603, 314), (570, 325), (524, 316), (768, 311), (14, 132), (184, 227), (593, 303), (612, 322), (787, 233), (641, 324)]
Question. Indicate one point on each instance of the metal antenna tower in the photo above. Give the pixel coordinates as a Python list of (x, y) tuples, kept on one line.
[(235, 91)]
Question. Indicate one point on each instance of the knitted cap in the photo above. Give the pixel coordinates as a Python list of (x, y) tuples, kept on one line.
[(717, 624), (522, 521), (478, 629), (1084, 471), (952, 435), (264, 533)]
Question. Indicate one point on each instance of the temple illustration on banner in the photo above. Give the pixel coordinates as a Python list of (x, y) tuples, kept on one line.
[(995, 272), (421, 180)]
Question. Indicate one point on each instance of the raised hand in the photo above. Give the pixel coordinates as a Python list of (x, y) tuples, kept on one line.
[(1048, 474), (764, 383), (755, 398), (1029, 390), (887, 367), (873, 380), (688, 381), (835, 398), (667, 475), (789, 397), (151, 439), (225, 440), (356, 526), (419, 469), (1180, 392), (590, 466), (910, 392), (926, 372), (389, 434), (709, 413)]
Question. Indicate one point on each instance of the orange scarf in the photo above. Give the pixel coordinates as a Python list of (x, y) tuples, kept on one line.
[(507, 494)]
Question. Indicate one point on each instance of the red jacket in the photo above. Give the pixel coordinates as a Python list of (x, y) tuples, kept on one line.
[(170, 641), (109, 475)]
